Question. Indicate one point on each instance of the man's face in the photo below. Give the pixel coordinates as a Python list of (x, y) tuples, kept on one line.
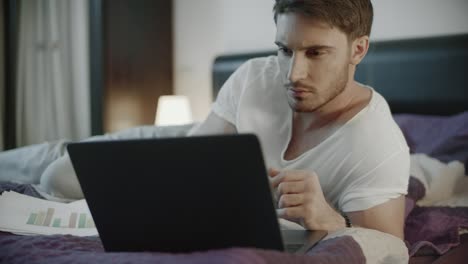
[(314, 60)]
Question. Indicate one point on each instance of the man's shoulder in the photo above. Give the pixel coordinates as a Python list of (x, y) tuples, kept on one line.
[(261, 62), (258, 72), (376, 113), (375, 130), (261, 65)]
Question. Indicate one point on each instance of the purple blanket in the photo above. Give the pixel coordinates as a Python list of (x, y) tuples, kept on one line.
[(71, 249), (440, 137), (434, 230), (431, 230)]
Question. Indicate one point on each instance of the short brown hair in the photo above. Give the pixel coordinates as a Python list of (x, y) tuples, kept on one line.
[(353, 17)]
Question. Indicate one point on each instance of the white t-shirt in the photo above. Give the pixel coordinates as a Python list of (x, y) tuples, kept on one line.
[(363, 164)]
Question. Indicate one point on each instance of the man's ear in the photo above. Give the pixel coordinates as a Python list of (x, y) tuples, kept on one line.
[(359, 49)]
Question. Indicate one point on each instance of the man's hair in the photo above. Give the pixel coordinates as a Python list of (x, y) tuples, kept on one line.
[(353, 17)]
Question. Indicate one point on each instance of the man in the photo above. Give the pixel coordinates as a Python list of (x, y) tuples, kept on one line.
[(335, 154)]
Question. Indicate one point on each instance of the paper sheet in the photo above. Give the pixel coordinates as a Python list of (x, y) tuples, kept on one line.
[(26, 215)]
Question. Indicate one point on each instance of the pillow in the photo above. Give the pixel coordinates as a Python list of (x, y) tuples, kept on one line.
[(26, 164), (442, 137)]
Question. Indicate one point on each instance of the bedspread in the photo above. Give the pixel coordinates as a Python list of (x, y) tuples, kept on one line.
[(70, 249), (437, 205), (346, 246)]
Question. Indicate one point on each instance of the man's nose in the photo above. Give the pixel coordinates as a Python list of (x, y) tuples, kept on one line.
[(297, 68)]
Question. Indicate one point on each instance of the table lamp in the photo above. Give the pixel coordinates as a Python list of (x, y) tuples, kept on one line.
[(173, 110)]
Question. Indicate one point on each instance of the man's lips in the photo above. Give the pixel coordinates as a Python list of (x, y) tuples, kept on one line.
[(297, 92)]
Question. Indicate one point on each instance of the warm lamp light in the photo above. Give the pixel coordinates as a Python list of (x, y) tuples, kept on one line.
[(173, 110)]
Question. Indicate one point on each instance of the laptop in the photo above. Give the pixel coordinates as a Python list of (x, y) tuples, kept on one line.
[(182, 194)]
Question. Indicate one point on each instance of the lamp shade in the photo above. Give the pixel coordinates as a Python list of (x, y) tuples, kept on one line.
[(173, 110)]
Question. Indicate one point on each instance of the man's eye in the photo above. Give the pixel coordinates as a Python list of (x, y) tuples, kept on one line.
[(314, 53), (285, 51)]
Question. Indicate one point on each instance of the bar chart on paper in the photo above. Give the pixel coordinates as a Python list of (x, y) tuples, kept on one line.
[(26, 215), (46, 218)]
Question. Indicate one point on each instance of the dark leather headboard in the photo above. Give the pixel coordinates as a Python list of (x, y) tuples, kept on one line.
[(421, 76)]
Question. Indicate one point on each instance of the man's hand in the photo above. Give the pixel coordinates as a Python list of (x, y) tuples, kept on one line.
[(300, 199)]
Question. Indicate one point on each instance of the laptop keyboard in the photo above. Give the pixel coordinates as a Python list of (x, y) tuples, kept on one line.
[(292, 248)]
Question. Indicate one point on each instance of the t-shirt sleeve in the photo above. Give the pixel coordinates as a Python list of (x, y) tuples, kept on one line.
[(387, 180), (227, 101)]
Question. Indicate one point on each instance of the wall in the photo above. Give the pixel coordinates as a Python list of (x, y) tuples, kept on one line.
[(204, 29)]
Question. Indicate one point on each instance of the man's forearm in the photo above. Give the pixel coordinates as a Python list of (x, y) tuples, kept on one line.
[(333, 222)]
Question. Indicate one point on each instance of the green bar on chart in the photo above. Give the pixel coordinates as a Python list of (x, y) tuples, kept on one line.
[(40, 218), (82, 222), (72, 222), (31, 219), (49, 215), (90, 223), (56, 222)]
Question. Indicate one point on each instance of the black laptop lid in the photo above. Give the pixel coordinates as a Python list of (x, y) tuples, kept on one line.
[(178, 194)]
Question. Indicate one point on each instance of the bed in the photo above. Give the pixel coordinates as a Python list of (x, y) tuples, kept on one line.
[(425, 83)]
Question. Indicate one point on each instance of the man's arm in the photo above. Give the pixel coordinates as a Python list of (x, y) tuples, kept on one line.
[(300, 198), (213, 124), (388, 217)]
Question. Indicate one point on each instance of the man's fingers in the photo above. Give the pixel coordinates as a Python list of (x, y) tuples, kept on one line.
[(290, 188), (290, 200), (290, 213), (287, 176), (272, 172)]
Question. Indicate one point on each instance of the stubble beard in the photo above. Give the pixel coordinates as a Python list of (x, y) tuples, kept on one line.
[(312, 104)]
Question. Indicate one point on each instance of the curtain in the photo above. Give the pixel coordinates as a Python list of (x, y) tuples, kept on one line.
[(52, 92), (2, 76)]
